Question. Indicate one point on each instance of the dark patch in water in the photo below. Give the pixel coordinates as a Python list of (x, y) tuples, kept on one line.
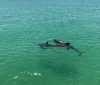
[(59, 70), (64, 70), (46, 64)]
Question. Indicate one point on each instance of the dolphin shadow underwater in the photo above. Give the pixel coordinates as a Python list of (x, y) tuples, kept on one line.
[(58, 70)]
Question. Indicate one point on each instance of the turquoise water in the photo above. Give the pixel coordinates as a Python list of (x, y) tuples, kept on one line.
[(24, 24)]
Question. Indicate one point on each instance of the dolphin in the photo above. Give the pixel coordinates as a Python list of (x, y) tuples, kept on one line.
[(43, 45)]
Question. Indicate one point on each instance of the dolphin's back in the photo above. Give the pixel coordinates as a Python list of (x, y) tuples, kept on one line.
[(42, 45)]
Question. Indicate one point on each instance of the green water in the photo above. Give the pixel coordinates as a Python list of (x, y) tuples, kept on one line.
[(24, 24)]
